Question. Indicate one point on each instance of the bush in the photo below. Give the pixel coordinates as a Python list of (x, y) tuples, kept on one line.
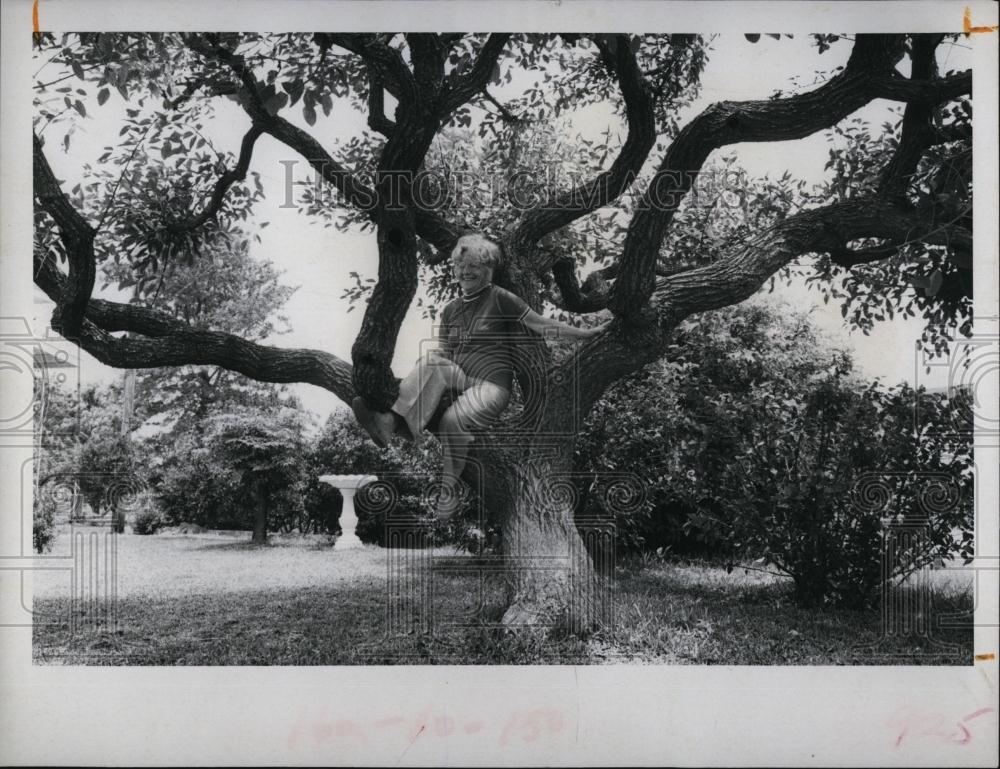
[(147, 521), (43, 523), (817, 497), (755, 441), (677, 424), (195, 487)]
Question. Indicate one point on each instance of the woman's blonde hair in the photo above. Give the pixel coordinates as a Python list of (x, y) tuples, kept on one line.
[(479, 249)]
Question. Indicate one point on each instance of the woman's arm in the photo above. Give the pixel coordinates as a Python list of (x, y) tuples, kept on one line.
[(539, 324)]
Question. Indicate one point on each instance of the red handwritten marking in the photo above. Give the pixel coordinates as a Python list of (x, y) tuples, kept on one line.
[(345, 727), (523, 725), (443, 726), (977, 713), (384, 722), (529, 725), (921, 723), (473, 726)]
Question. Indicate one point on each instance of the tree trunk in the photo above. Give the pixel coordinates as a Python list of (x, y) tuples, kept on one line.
[(550, 581), (76, 505), (117, 520), (260, 515)]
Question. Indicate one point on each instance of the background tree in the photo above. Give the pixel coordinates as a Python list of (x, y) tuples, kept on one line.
[(265, 453), (90, 458), (56, 426), (179, 196)]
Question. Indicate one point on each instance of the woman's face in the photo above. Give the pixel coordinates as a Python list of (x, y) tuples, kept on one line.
[(471, 275)]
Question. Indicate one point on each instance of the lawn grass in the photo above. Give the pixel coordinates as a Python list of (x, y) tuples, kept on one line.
[(214, 601)]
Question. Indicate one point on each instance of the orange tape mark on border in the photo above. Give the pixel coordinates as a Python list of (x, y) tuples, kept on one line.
[(985, 657), (34, 17), (966, 23)]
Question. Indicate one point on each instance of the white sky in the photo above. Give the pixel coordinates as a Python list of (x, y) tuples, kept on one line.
[(318, 259)]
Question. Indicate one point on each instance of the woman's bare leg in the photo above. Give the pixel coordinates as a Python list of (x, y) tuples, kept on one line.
[(419, 395), (473, 409)]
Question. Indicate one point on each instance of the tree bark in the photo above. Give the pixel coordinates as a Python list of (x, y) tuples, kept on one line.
[(549, 579)]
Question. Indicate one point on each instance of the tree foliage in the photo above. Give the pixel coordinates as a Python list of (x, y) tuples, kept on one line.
[(760, 442)]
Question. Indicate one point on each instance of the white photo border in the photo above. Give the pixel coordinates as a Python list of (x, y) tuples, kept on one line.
[(558, 715)]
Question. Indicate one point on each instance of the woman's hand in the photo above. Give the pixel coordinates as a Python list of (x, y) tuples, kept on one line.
[(540, 324)]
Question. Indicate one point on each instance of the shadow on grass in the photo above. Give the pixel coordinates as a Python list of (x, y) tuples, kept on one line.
[(664, 615), (239, 546)]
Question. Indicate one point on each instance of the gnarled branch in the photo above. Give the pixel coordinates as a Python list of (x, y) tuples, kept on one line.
[(167, 341), (746, 265), (431, 226), (561, 208), (461, 88), (78, 237), (395, 75), (918, 132), (867, 75)]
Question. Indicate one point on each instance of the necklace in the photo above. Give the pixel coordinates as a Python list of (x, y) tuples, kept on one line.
[(475, 294)]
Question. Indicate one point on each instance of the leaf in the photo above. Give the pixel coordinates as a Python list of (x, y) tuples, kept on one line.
[(102, 96), (753, 38), (77, 68), (294, 90), (934, 283), (309, 112), (275, 103)]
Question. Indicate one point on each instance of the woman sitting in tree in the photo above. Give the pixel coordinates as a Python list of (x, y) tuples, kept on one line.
[(475, 363)]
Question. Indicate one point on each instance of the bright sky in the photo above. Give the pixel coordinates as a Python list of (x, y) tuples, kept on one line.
[(318, 259)]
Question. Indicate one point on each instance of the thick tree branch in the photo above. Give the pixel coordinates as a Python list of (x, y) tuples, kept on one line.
[(747, 265), (561, 208), (401, 159), (78, 237), (386, 60), (377, 119), (895, 87), (635, 340), (427, 54), (917, 133), (431, 227), (461, 88), (867, 75), (167, 341)]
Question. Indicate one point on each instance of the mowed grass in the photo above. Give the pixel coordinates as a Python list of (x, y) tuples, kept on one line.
[(200, 600)]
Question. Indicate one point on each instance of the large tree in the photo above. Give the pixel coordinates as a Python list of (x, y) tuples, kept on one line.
[(163, 193)]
